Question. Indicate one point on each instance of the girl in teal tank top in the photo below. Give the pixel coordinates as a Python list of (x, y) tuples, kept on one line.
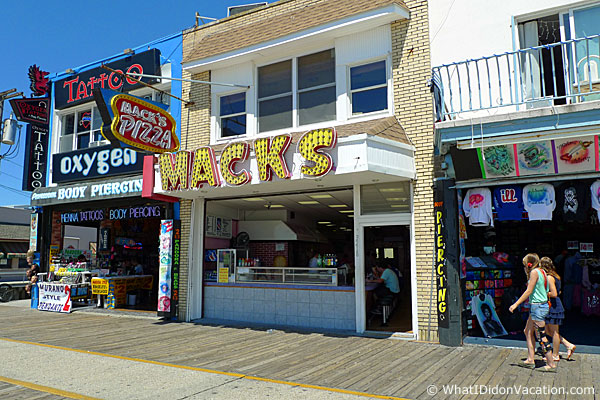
[(537, 293)]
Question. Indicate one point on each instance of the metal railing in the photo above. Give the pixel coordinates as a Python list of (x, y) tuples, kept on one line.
[(555, 74)]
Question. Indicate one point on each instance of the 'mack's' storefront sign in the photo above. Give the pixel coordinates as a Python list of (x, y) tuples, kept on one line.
[(191, 169)]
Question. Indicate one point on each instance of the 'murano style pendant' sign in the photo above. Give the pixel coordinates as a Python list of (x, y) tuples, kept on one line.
[(136, 122)]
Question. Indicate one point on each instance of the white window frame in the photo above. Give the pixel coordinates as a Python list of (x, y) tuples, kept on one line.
[(218, 115), (76, 112), (387, 84), (295, 93)]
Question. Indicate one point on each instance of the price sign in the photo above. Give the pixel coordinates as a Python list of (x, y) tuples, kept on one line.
[(586, 247)]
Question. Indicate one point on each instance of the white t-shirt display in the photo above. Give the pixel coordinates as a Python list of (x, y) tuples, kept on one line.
[(595, 189), (539, 201), (477, 206)]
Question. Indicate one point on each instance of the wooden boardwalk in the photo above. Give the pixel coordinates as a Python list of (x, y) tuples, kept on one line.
[(377, 366)]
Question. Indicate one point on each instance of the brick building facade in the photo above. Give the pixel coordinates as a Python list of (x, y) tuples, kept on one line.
[(302, 26)]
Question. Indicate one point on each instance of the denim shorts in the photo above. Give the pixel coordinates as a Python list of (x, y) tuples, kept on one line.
[(539, 311)]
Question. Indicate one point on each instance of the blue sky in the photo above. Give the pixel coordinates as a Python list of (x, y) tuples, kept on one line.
[(57, 35)]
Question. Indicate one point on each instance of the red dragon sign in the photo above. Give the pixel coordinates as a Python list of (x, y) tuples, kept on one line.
[(39, 82)]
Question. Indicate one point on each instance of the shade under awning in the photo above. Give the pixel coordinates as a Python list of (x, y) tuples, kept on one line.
[(14, 247)]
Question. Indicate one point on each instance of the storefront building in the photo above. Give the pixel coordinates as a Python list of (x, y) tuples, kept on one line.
[(519, 170), (312, 168), (93, 215)]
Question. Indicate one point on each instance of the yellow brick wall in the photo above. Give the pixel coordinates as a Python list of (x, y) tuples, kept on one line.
[(413, 107), (185, 214), (195, 132)]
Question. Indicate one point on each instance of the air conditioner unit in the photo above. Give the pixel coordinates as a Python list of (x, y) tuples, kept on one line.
[(98, 143), (65, 143)]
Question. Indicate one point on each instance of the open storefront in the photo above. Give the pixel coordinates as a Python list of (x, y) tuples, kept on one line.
[(110, 246), (295, 249), (537, 197)]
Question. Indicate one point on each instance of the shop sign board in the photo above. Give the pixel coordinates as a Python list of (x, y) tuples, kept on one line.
[(54, 297), (165, 255), (82, 216), (572, 245), (441, 276), (36, 153), (142, 124), (135, 212), (32, 110), (95, 162), (33, 232), (223, 275), (104, 239), (175, 266), (77, 89), (74, 193), (39, 82), (586, 247), (218, 227), (186, 170), (99, 286), (546, 157)]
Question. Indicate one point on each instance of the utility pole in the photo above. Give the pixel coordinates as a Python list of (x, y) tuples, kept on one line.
[(9, 126)]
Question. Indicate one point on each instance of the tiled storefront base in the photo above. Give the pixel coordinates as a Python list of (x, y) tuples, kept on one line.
[(323, 309)]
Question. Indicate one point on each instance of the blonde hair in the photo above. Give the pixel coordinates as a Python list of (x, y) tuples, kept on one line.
[(548, 266), (531, 261)]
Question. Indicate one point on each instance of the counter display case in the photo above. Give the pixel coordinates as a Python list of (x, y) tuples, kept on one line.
[(287, 275)]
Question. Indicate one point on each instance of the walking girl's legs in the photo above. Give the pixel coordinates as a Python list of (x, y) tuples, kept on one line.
[(552, 331), (529, 337), (546, 346)]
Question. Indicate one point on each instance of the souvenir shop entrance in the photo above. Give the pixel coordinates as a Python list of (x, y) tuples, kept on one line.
[(557, 219)]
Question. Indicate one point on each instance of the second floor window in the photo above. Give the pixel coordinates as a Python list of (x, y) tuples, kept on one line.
[(232, 114), (79, 129), (368, 87), (297, 92)]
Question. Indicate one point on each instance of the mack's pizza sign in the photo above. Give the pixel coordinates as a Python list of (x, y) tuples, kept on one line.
[(135, 122)]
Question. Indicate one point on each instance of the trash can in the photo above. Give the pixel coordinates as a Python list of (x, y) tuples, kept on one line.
[(131, 297)]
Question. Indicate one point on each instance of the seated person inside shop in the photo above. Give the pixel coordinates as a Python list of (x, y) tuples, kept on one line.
[(389, 279), (136, 268)]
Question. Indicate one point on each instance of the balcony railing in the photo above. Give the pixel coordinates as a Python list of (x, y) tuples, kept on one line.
[(542, 76)]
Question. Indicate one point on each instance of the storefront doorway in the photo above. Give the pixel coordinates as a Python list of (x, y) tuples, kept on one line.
[(388, 247), (493, 270)]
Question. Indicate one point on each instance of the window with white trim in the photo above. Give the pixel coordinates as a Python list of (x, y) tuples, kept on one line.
[(232, 115), (80, 128), (368, 88), (296, 92)]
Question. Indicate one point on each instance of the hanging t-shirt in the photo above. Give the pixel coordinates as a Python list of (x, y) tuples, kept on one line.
[(477, 206), (508, 202), (595, 189), (572, 201), (539, 202)]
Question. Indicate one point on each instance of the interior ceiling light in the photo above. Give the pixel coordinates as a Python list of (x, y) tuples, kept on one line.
[(338, 206), (321, 196), (399, 189), (274, 205), (324, 222), (398, 205), (351, 216), (308, 202), (346, 211), (330, 225), (254, 199), (396, 198)]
